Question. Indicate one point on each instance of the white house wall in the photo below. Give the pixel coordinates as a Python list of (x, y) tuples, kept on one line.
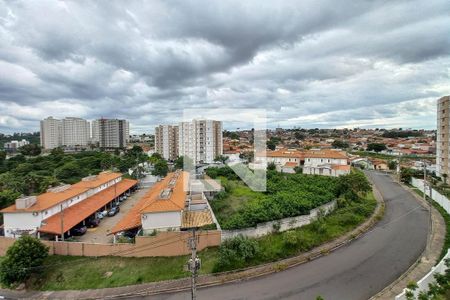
[(161, 221)]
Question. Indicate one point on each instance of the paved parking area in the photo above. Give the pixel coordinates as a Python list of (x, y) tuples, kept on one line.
[(99, 234)]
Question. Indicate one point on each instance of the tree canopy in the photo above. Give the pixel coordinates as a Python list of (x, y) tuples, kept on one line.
[(22, 259)]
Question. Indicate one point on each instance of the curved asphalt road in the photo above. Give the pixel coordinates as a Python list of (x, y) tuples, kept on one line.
[(356, 271)]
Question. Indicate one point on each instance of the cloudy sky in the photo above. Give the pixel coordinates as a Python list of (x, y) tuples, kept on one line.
[(308, 63)]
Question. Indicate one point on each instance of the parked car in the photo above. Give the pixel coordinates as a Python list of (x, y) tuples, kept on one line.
[(101, 214), (113, 211), (79, 230), (93, 222)]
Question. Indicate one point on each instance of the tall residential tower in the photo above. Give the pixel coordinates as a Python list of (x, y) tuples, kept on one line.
[(443, 136), (51, 133), (166, 141), (200, 140)]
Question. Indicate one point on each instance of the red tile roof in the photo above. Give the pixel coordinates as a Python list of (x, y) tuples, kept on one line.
[(74, 214), (49, 199), (152, 203)]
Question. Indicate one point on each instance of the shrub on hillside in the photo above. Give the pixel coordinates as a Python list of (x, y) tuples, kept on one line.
[(235, 253), (22, 259)]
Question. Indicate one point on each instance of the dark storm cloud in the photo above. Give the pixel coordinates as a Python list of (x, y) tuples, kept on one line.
[(309, 63)]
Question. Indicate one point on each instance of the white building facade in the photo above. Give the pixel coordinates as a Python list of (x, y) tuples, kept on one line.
[(75, 132), (443, 136), (51, 133), (200, 140), (14, 145), (326, 163)]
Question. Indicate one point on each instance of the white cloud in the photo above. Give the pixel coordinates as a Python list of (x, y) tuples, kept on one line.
[(308, 63)]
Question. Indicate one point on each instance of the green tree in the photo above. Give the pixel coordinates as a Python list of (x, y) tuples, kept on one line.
[(235, 253), (22, 259), (2, 156), (353, 186), (338, 144), (160, 168), (7, 197), (377, 147), (271, 166), (70, 172), (271, 145), (30, 150), (392, 165), (221, 158)]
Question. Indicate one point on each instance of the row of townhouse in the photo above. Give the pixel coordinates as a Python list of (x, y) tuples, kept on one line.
[(58, 210), (316, 162)]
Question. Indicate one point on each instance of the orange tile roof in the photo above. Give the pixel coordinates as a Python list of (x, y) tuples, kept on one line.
[(291, 164), (74, 214), (286, 153), (49, 199), (151, 202), (326, 154)]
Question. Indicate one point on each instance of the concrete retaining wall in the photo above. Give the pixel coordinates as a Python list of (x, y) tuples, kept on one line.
[(285, 224), (163, 244)]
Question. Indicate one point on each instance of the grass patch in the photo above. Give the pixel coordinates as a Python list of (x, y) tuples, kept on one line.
[(80, 273)]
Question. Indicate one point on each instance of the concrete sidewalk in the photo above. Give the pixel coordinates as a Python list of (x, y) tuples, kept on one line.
[(428, 258)]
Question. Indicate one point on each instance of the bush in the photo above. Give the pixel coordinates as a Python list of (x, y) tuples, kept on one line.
[(235, 253), (22, 259)]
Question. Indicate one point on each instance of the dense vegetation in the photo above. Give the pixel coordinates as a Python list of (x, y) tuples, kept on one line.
[(33, 175), (287, 195), (242, 252), (377, 147), (24, 258), (401, 133)]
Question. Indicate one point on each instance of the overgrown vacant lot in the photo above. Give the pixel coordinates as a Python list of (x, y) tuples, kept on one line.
[(287, 195)]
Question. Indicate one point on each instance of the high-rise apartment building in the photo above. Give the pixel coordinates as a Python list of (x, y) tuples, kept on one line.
[(95, 138), (166, 141), (51, 133), (200, 140), (111, 133), (75, 132), (443, 136)]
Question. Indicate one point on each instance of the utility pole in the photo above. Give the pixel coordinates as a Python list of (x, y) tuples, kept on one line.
[(62, 223), (194, 264)]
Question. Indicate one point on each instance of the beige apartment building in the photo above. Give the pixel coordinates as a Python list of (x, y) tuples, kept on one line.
[(166, 141), (51, 133), (443, 136), (200, 140), (110, 133), (75, 132)]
